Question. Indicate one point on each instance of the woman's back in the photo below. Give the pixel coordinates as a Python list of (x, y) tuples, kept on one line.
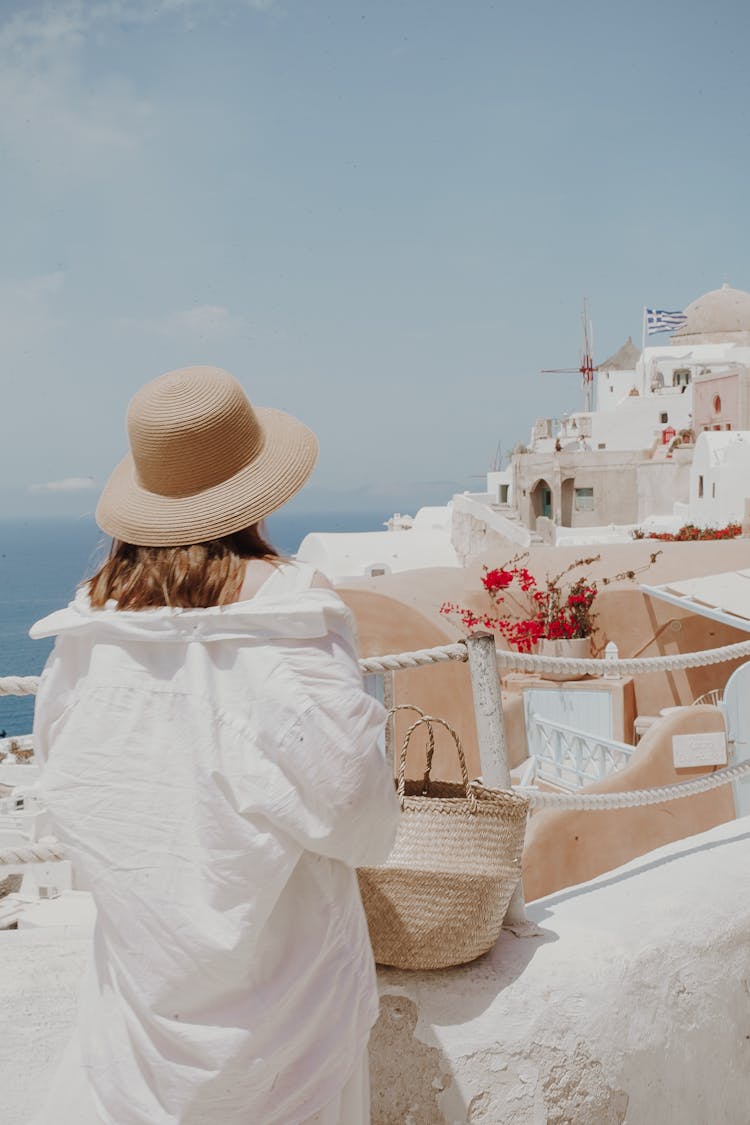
[(215, 776)]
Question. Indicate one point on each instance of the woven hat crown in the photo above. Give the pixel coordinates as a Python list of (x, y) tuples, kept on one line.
[(190, 430), (203, 462)]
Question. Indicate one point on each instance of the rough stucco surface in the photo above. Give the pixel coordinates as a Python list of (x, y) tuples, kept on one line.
[(630, 1006)]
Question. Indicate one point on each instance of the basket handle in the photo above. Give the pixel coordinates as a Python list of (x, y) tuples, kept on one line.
[(428, 720), (430, 742)]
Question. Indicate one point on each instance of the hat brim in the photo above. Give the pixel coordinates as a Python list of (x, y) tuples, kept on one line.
[(129, 512)]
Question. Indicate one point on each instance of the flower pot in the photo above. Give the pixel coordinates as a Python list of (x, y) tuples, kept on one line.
[(575, 648)]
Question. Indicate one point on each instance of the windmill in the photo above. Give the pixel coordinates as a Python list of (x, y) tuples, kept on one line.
[(586, 368), (495, 467)]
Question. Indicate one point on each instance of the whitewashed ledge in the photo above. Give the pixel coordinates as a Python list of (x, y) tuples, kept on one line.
[(632, 1006)]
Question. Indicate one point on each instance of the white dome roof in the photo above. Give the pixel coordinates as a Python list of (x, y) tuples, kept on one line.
[(721, 315)]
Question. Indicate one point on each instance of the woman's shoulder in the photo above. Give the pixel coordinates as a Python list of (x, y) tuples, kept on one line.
[(272, 578)]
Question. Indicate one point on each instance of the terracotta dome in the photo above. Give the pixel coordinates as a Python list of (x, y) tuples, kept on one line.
[(721, 316)]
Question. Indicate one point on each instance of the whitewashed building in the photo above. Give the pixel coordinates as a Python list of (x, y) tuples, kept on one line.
[(628, 461), (409, 544), (720, 478)]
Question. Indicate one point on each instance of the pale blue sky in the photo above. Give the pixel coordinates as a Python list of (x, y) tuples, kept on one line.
[(383, 217)]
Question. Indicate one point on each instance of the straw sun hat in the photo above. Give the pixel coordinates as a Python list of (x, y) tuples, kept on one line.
[(203, 462)]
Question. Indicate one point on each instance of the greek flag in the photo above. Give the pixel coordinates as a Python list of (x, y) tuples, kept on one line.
[(659, 320)]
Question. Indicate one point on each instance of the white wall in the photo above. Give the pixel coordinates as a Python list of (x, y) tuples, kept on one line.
[(721, 471), (667, 358), (662, 484), (612, 386), (634, 422), (341, 555), (477, 528), (497, 481), (637, 420)]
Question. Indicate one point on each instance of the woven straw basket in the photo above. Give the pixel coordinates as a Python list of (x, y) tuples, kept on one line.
[(441, 897)]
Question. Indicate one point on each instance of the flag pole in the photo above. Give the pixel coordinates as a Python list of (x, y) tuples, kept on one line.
[(643, 334)]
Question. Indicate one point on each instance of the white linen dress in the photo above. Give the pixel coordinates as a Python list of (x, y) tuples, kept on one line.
[(215, 775)]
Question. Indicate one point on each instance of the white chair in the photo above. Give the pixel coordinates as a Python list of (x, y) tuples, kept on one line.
[(714, 698), (736, 708)]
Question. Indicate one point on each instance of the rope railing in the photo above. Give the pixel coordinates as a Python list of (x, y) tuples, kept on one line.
[(417, 659), (41, 852), (623, 666), (633, 798), (513, 661), (19, 685), (528, 662), (538, 799), (32, 853)]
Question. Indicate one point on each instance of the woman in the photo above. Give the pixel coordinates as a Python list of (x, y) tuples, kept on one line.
[(213, 769)]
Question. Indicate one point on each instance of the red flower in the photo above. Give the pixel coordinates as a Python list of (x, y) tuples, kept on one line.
[(562, 608), (497, 580), (690, 533)]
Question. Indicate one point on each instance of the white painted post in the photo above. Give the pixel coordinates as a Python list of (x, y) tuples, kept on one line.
[(493, 750)]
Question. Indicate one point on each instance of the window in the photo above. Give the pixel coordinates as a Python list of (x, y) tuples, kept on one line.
[(664, 417), (503, 493), (584, 499), (713, 491), (681, 377), (700, 488), (717, 404)]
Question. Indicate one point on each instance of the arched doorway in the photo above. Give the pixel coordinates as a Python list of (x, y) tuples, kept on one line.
[(566, 502), (541, 501)]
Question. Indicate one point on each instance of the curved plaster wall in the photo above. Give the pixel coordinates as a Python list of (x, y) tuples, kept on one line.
[(566, 846)]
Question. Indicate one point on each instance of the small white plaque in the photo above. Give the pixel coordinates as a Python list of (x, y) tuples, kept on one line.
[(699, 749)]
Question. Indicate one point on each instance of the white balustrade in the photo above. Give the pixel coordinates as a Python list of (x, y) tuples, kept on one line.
[(572, 758)]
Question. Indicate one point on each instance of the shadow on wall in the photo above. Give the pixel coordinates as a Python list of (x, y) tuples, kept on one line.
[(411, 1079), (643, 626)]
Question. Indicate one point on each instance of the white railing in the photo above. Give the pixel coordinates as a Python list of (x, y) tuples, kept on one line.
[(572, 758)]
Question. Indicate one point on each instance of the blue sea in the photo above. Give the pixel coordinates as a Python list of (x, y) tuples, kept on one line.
[(42, 562)]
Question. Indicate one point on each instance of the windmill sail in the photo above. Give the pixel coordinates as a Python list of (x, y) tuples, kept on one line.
[(587, 367)]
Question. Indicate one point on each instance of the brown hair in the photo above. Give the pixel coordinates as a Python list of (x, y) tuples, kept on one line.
[(193, 576)]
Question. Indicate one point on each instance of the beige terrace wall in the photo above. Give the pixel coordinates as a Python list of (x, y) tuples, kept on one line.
[(386, 625), (564, 847)]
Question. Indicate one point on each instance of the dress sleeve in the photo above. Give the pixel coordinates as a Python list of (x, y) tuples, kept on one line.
[(322, 777), (340, 801)]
